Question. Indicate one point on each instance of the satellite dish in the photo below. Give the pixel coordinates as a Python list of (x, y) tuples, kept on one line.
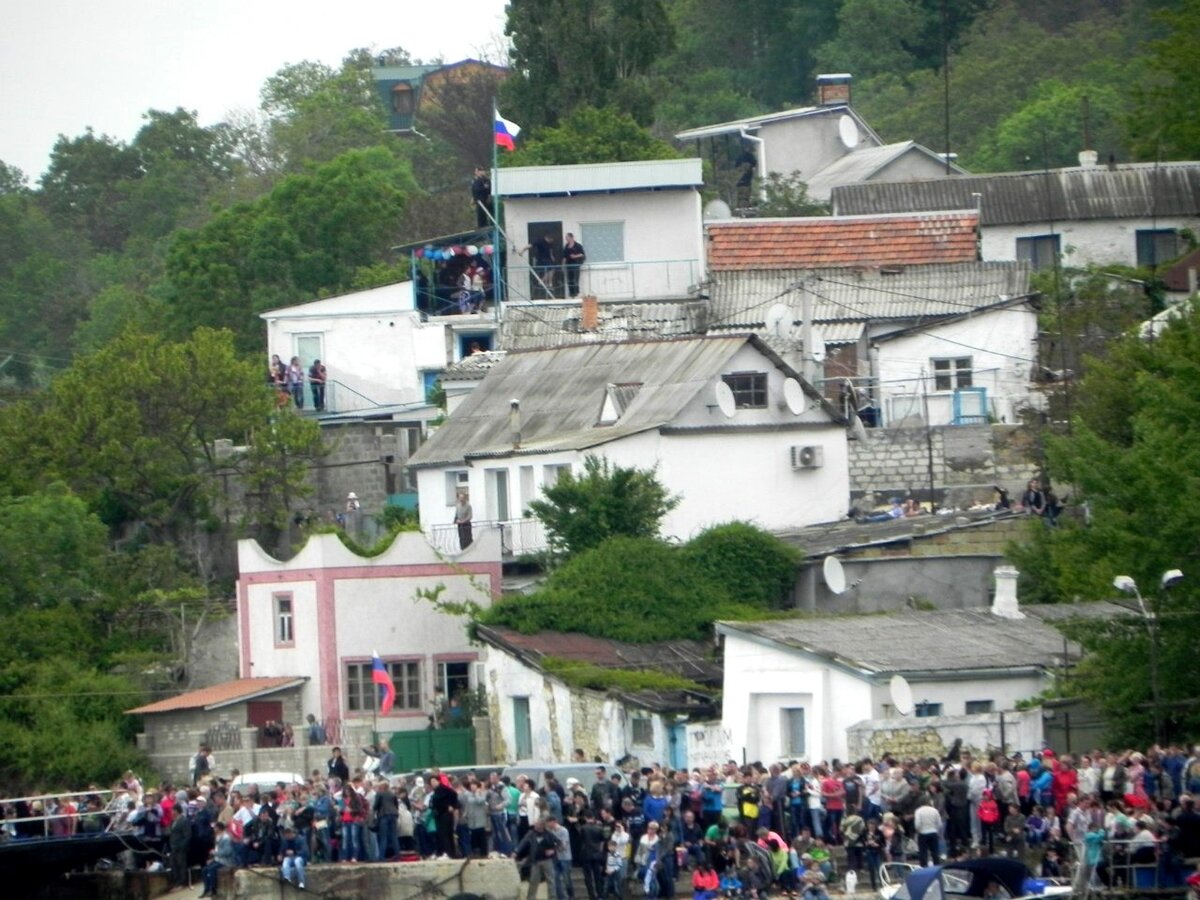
[(848, 132), (902, 698), (817, 352), (776, 316), (725, 401), (717, 209), (835, 575), (793, 395)]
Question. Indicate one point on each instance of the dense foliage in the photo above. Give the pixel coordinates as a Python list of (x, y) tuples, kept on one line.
[(1134, 445), (644, 590)]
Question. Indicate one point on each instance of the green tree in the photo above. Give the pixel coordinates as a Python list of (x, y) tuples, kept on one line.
[(1129, 453), (567, 54), (787, 195), (581, 511), (12, 179), (307, 236), (590, 135), (274, 471), (1163, 123), (85, 186)]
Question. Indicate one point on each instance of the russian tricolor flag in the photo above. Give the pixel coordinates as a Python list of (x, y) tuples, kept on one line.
[(506, 132), (387, 688)]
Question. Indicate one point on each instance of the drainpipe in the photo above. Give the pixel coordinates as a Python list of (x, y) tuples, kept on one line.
[(761, 154)]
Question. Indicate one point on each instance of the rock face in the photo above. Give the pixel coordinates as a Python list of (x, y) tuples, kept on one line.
[(430, 880)]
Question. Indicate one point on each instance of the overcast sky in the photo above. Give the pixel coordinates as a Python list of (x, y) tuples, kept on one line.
[(68, 64)]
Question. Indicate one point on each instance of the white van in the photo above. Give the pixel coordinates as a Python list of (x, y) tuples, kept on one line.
[(584, 773)]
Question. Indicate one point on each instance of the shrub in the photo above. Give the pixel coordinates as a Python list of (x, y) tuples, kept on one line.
[(748, 564)]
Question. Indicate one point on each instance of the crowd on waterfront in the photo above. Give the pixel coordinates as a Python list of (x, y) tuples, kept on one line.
[(784, 827)]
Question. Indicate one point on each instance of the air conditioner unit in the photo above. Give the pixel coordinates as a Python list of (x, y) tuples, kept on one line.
[(807, 457)]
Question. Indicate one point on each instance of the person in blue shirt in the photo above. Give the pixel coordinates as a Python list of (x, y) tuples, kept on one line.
[(655, 802)]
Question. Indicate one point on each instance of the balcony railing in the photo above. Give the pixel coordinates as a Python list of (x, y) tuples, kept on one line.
[(339, 397), (641, 280), (518, 537)]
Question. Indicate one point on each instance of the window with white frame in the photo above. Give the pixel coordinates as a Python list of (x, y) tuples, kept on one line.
[(603, 242), (285, 624), (362, 694), (791, 729), (456, 480), (454, 677), (642, 731), (551, 474), (951, 374)]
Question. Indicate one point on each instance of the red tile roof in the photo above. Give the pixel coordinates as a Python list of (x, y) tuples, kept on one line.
[(220, 694), (841, 241)]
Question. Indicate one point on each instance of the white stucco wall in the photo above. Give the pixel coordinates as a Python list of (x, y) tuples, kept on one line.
[(1002, 348), (347, 607), (664, 245), (806, 145), (1083, 243)]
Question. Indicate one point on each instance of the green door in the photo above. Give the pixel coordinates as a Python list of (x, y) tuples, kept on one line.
[(522, 730)]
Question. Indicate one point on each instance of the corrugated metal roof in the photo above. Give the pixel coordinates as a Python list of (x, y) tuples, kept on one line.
[(562, 391), (473, 367), (839, 241), (539, 325), (1133, 190), (653, 174), (862, 165), (741, 299), (943, 640), (219, 695), (753, 123)]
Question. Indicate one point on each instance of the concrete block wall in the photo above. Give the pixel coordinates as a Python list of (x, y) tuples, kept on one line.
[(967, 461), (920, 738)]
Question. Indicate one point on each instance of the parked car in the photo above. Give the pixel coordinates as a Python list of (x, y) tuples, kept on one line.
[(264, 780), (584, 773)]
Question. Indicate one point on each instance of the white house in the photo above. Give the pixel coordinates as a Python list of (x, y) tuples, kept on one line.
[(794, 687), (943, 344), (1129, 214), (729, 425), (537, 716), (639, 224), (824, 145), (322, 614), (377, 347)]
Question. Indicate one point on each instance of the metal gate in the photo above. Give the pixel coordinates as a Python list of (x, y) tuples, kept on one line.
[(440, 747)]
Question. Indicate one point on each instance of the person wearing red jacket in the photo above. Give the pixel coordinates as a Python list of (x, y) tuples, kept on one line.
[(705, 882), (1066, 782)]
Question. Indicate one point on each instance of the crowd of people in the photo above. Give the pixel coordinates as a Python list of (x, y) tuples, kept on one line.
[(288, 381), (784, 828)]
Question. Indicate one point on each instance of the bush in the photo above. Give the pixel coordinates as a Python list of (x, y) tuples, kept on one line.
[(748, 564)]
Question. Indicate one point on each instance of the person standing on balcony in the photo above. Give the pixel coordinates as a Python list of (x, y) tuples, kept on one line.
[(481, 196), (462, 518), (316, 383), (573, 259), (295, 382), (541, 257)]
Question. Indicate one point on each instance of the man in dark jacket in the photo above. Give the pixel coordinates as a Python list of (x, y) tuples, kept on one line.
[(387, 812), (592, 854), (179, 838), (336, 767)]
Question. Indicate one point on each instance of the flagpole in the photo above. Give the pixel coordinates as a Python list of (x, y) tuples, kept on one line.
[(497, 267)]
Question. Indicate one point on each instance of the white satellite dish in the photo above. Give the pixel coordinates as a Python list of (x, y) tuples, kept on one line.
[(902, 698), (835, 575), (817, 351), (793, 395), (717, 209), (725, 400), (776, 316), (848, 132)]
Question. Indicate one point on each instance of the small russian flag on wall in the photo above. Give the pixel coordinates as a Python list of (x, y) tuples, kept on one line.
[(506, 132), (387, 688)]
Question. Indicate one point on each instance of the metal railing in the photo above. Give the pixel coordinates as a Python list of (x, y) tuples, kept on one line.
[(339, 397), (518, 537), (108, 816), (640, 280)]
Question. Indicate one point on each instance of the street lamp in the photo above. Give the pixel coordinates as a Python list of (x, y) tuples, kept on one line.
[(1126, 584)]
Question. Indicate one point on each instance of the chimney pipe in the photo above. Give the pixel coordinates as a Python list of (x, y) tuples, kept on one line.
[(834, 89), (1004, 603), (514, 422), (589, 313)]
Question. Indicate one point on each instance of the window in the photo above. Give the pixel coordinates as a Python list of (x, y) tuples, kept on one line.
[(522, 728), (749, 389), (1042, 250), (402, 100), (951, 374), (791, 729), (927, 710), (603, 242), (454, 678), (456, 480), (976, 707), (551, 474), (362, 694), (285, 633), (1156, 246), (308, 348), (643, 731)]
